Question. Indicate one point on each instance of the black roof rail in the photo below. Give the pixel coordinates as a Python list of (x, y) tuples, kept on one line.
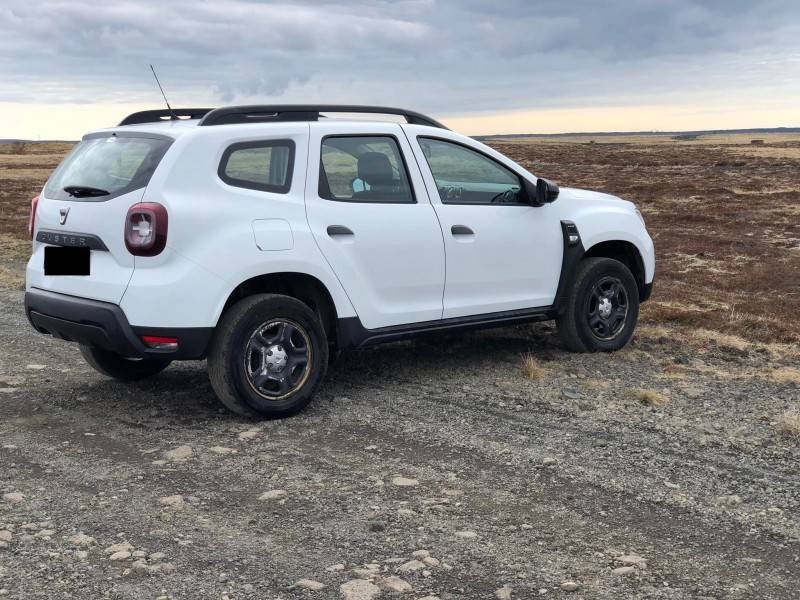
[(271, 113), (155, 116)]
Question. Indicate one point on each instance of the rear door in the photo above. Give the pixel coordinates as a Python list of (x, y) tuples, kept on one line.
[(369, 213), (85, 203)]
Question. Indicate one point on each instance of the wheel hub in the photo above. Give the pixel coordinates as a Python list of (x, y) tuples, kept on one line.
[(604, 308), (275, 358), (607, 308), (278, 358)]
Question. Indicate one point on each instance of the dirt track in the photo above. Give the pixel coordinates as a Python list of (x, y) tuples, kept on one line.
[(504, 480)]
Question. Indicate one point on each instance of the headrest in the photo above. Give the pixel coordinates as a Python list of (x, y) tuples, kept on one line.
[(375, 169)]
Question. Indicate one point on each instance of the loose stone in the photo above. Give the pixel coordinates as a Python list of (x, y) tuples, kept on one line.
[(310, 584), (359, 589), (395, 584), (179, 453), (404, 482)]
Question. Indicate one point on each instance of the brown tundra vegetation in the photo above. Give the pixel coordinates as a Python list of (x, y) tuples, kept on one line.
[(485, 465)]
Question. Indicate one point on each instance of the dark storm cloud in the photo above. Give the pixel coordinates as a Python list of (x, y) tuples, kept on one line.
[(463, 56)]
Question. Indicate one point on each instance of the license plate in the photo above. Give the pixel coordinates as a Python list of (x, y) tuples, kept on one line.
[(60, 260)]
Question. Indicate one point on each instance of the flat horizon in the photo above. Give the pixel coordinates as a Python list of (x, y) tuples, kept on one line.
[(654, 132)]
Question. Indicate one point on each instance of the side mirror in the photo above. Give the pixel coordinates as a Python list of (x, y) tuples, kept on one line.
[(544, 192)]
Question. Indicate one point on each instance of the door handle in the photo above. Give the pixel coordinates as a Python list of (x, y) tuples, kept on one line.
[(334, 230), (461, 230)]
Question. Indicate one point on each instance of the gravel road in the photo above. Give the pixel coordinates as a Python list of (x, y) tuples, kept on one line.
[(425, 469)]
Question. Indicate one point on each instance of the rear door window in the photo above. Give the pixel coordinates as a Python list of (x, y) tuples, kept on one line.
[(104, 167), (263, 165), (367, 168)]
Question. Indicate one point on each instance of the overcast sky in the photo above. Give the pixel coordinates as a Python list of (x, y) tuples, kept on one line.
[(516, 65)]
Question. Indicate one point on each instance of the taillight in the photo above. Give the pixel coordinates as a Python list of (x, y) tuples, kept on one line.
[(32, 217), (146, 229)]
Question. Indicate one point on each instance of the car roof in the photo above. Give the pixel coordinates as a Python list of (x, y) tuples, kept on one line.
[(268, 113), (180, 127)]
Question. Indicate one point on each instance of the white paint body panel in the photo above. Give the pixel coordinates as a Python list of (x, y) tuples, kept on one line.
[(602, 218), (512, 261), (211, 228), (402, 266), (273, 234), (393, 266), (110, 271)]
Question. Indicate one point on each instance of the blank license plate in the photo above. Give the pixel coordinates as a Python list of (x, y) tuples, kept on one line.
[(66, 261)]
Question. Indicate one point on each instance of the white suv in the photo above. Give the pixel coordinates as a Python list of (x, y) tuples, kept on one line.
[(267, 238)]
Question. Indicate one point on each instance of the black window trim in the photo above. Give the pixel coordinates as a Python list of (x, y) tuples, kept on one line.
[(521, 177), (252, 185), (357, 135)]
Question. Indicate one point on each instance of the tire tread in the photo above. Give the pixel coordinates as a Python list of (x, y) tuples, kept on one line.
[(223, 379)]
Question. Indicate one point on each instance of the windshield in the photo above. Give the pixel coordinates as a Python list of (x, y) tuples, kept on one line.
[(101, 168)]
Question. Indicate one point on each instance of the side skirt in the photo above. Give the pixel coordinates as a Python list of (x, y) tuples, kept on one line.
[(352, 334)]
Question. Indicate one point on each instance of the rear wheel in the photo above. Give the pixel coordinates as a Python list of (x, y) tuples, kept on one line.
[(268, 356), (603, 307), (119, 367)]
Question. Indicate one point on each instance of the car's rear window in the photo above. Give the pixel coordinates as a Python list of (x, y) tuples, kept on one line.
[(114, 164)]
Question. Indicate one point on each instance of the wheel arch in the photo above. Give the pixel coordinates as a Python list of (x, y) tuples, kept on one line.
[(304, 287), (625, 252)]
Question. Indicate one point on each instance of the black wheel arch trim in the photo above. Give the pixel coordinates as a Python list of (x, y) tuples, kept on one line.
[(573, 253)]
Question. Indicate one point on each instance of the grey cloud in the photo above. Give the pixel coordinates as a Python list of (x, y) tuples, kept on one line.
[(446, 57)]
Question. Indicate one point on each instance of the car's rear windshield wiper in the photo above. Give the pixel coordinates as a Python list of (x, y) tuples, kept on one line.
[(83, 191)]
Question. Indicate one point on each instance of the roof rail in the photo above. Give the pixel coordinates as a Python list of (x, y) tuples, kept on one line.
[(271, 113), (155, 116)]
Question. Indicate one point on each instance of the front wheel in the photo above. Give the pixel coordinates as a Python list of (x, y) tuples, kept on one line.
[(268, 356), (118, 367), (603, 307)]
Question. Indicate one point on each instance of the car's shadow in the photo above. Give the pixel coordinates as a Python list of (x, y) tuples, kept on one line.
[(471, 350), (183, 396)]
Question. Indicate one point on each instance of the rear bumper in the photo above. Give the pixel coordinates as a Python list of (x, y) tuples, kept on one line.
[(104, 325)]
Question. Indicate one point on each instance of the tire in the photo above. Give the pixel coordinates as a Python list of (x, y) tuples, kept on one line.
[(118, 367), (250, 354), (602, 286)]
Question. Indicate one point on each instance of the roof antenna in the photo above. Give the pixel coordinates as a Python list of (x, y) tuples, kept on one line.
[(172, 114)]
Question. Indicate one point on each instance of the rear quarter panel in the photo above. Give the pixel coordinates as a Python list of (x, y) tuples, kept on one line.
[(211, 244)]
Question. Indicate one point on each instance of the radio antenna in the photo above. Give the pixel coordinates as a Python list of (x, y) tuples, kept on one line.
[(172, 114)]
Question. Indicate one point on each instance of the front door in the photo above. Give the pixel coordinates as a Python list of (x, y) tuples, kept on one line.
[(502, 253), (371, 218)]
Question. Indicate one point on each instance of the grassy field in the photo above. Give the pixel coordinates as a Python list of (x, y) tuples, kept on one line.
[(724, 214)]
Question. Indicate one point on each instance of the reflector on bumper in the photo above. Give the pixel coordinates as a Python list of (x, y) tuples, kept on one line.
[(156, 342)]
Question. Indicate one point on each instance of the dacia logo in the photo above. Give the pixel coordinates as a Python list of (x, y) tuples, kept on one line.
[(63, 213)]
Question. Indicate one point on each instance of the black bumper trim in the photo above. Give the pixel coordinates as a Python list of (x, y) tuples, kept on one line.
[(104, 325)]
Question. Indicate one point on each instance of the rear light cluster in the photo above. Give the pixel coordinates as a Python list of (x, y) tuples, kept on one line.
[(32, 217), (146, 229)]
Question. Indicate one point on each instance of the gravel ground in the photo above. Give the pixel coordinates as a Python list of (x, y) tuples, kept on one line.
[(426, 469)]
